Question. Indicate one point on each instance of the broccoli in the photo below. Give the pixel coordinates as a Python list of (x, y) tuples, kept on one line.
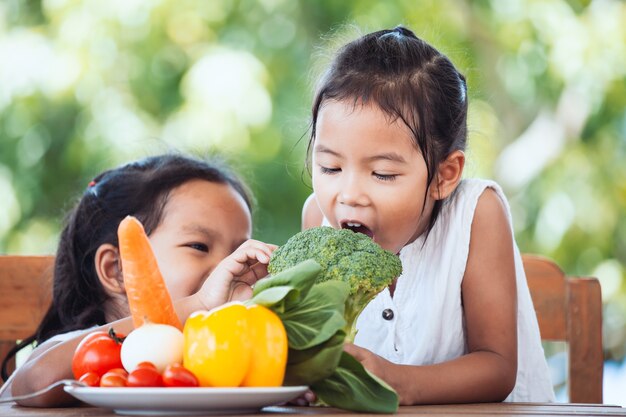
[(346, 256)]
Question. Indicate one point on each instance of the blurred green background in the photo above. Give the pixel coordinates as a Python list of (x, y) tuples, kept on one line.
[(87, 85)]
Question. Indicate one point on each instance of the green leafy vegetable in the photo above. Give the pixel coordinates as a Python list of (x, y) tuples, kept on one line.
[(313, 311), (316, 318), (311, 315), (352, 387), (301, 279), (305, 367)]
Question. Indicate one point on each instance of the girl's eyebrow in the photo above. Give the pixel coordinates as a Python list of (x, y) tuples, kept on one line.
[(389, 156), (196, 228), (324, 149)]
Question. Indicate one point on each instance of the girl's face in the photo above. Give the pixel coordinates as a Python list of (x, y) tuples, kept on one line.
[(202, 223), (368, 175)]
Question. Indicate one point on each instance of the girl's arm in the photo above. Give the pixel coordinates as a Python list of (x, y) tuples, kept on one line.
[(52, 361), (488, 371)]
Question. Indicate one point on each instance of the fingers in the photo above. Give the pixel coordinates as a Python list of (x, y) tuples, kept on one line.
[(242, 286), (259, 271), (310, 396), (241, 291), (234, 275), (350, 348), (358, 353), (246, 255), (305, 399), (251, 251), (370, 361)]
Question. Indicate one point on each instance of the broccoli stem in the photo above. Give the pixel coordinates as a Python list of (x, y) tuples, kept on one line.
[(354, 306)]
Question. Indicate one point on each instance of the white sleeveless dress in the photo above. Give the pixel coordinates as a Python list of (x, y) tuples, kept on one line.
[(428, 324)]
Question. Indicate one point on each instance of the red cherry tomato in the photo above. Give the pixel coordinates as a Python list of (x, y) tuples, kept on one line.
[(118, 371), (175, 375), (145, 377), (91, 379), (113, 379), (146, 364), (97, 352)]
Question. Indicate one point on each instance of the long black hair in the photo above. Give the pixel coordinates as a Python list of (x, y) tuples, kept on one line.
[(140, 189), (407, 79)]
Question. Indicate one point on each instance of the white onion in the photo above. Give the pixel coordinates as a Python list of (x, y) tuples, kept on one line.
[(160, 344)]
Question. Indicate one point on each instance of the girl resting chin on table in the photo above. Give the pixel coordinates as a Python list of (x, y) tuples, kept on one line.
[(197, 216)]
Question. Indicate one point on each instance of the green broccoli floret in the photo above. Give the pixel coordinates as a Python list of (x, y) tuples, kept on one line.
[(346, 256)]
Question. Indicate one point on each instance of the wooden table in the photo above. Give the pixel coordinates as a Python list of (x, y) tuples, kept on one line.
[(474, 410)]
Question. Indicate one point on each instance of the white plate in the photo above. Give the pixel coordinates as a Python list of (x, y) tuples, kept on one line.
[(184, 401)]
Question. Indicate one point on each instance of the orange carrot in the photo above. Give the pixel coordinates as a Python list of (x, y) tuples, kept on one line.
[(148, 297)]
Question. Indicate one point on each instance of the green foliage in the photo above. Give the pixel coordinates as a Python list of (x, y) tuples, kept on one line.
[(312, 314), (344, 256)]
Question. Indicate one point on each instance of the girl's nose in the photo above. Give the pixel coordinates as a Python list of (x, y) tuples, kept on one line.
[(352, 193)]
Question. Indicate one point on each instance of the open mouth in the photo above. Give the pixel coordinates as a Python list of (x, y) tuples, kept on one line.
[(357, 227)]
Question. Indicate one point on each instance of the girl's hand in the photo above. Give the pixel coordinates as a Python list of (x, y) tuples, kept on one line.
[(233, 277), (380, 367), (371, 361), (305, 399)]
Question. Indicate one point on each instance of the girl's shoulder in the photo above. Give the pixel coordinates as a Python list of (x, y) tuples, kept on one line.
[(474, 202), (477, 194), (311, 214), (474, 187), (449, 239), (62, 337)]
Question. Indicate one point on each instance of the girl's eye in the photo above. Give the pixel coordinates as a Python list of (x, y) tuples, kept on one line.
[(199, 247), (329, 171), (384, 177)]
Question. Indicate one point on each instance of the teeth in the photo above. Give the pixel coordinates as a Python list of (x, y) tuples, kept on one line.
[(353, 224)]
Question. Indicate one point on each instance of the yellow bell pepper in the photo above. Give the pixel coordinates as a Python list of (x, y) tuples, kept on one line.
[(217, 345), (232, 346), (269, 348)]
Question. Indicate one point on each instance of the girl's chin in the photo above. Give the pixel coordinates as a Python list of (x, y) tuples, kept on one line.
[(393, 247)]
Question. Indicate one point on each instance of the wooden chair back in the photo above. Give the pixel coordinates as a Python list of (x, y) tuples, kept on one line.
[(25, 295), (570, 309)]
